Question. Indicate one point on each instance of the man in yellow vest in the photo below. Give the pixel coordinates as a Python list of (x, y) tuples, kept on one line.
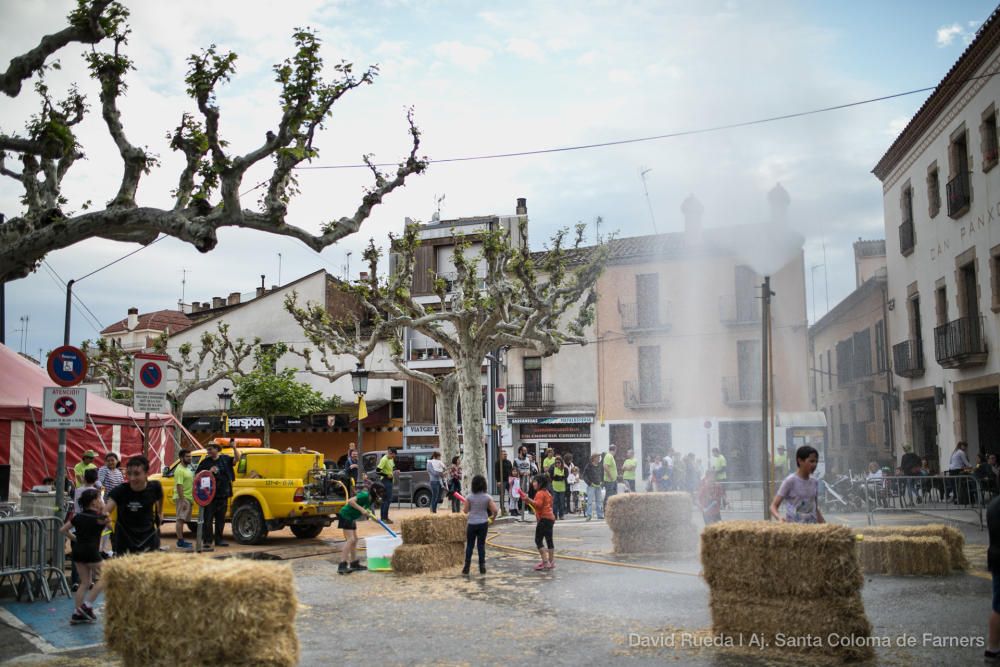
[(718, 464), (387, 473), (610, 475), (780, 463), (628, 470)]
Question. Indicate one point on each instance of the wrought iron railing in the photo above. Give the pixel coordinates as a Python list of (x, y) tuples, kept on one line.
[(959, 194), (741, 390), (735, 310), (960, 343), (530, 396), (908, 358)]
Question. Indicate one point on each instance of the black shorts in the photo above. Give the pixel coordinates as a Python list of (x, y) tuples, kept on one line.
[(543, 531), (86, 555), (346, 524)]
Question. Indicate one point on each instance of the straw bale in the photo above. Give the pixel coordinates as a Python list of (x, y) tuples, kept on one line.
[(635, 511), (421, 558), (831, 626), (898, 555), (656, 539), (781, 559), (250, 606), (434, 529), (952, 536)]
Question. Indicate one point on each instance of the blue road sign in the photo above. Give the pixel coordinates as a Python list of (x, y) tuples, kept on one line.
[(150, 375), (67, 365)]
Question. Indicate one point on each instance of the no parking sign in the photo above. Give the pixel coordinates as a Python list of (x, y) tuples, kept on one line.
[(64, 407), (149, 386)]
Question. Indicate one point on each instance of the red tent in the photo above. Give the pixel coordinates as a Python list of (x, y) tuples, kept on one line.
[(31, 450)]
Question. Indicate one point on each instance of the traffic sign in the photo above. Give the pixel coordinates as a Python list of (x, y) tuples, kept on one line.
[(67, 365), (64, 407), (500, 403), (204, 488), (149, 386)]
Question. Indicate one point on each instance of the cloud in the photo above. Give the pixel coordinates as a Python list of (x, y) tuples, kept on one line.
[(525, 48), (947, 34), (463, 56), (897, 125)]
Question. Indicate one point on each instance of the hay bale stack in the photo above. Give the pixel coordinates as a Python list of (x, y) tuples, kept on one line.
[(251, 604), (651, 523), (434, 529), (430, 542), (769, 579), (423, 558), (952, 536), (901, 555)]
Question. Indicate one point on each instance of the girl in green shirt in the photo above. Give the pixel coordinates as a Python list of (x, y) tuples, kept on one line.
[(356, 507)]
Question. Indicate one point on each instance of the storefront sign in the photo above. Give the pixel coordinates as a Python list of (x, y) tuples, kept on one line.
[(424, 429), (551, 420), (555, 431)]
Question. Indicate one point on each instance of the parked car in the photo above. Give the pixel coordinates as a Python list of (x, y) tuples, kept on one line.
[(413, 484)]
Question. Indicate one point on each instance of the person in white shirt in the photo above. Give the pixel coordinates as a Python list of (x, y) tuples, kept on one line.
[(435, 471)]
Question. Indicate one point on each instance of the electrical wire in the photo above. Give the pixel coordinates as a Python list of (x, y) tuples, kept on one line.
[(62, 287), (139, 249), (666, 135)]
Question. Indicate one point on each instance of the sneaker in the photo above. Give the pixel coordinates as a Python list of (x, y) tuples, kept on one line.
[(184, 544), (78, 617), (540, 567), (89, 612), (356, 565), (387, 521), (343, 568), (482, 569), (465, 570)]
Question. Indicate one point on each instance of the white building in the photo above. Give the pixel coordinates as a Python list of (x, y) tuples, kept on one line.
[(941, 194)]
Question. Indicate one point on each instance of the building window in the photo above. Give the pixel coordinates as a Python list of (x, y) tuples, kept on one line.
[(829, 371), (532, 379), (861, 362), (907, 232), (959, 185), (995, 277), (844, 362), (941, 304), (396, 399), (914, 317), (933, 190), (647, 292), (988, 138), (881, 357), (650, 387)]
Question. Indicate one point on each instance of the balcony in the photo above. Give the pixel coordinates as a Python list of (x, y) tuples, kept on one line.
[(737, 391), (959, 192), (639, 317), (738, 311), (907, 238), (908, 358), (528, 398), (648, 398), (960, 343), (450, 279)]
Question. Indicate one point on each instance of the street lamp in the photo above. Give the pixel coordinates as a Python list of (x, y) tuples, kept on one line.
[(359, 382), (225, 402)]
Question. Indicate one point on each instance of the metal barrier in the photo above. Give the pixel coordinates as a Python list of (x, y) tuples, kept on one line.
[(930, 493), (32, 555), (743, 497)]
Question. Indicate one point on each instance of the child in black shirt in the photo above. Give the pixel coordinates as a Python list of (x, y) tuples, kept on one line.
[(87, 525)]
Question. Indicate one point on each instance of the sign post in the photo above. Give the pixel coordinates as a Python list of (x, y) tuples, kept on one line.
[(67, 366), (203, 493), (149, 388), (500, 404)]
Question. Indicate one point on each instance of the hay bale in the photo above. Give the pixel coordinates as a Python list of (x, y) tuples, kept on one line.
[(899, 555), (656, 540), (952, 536), (434, 529), (635, 511), (781, 559), (831, 626), (421, 558), (250, 604)]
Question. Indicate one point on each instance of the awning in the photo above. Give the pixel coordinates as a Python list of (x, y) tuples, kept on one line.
[(804, 419)]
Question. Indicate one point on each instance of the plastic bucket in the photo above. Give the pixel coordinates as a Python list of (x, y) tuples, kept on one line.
[(379, 550)]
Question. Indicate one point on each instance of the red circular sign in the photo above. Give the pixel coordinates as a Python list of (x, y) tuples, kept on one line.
[(65, 406), (67, 365), (708, 424), (203, 491), (150, 375)]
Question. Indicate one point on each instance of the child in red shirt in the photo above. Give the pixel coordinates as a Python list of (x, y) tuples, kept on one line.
[(542, 504)]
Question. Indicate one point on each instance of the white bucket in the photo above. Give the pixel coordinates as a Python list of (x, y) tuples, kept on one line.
[(379, 550)]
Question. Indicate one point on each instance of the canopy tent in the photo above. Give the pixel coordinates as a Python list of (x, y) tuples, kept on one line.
[(31, 450)]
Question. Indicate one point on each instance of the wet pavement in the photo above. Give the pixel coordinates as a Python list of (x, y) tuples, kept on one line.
[(594, 608)]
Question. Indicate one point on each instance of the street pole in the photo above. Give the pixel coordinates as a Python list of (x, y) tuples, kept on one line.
[(764, 394), (361, 435), (61, 456)]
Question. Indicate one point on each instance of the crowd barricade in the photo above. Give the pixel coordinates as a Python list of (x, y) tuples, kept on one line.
[(743, 497), (924, 493), (32, 556)]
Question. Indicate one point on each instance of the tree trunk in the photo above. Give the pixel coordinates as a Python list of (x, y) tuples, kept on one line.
[(267, 432), (447, 408), (470, 381)]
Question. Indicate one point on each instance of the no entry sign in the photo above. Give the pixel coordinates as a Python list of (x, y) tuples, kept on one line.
[(149, 386), (64, 407)]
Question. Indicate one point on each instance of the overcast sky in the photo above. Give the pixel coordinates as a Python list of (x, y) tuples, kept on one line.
[(488, 78)]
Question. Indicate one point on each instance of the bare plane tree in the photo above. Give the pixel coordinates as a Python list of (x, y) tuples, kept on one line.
[(207, 196)]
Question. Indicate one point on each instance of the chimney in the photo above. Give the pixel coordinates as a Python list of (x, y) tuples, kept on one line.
[(364, 276), (692, 210), (260, 291), (218, 302), (133, 318), (778, 199), (195, 307), (522, 206), (234, 298)]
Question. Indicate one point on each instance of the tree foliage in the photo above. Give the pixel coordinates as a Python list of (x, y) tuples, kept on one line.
[(268, 392), (207, 195)]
